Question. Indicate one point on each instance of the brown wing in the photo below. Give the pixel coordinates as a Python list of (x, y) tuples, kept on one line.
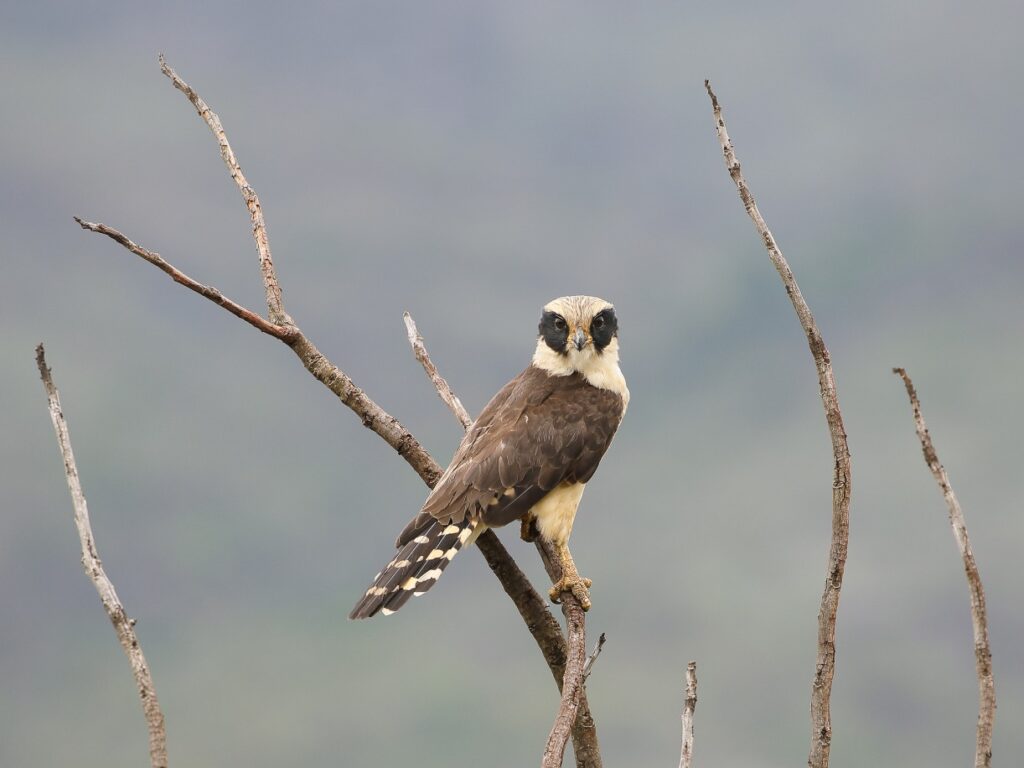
[(536, 433)]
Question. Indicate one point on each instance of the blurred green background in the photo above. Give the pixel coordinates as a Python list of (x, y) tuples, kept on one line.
[(468, 162)]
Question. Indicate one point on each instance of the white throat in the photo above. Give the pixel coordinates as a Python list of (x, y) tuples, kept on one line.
[(600, 370)]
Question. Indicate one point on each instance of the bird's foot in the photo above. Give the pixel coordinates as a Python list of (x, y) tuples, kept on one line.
[(528, 530), (576, 586)]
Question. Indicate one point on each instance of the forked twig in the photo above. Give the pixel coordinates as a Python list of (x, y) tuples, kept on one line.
[(123, 626), (259, 227), (979, 620), (531, 606), (821, 690)]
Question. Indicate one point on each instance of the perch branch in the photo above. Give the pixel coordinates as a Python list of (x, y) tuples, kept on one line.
[(372, 415), (982, 653), (444, 391), (574, 700), (573, 693), (548, 634), (259, 227), (123, 626), (821, 690), (572, 682), (574, 710), (689, 705), (512, 579)]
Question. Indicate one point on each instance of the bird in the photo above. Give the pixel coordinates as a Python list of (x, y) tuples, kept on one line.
[(527, 457)]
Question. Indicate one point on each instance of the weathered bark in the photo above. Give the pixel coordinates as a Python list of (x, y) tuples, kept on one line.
[(821, 689), (689, 706), (979, 618), (123, 626)]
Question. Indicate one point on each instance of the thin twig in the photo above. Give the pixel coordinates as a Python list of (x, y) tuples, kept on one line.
[(286, 333), (444, 391), (535, 613), (689, 705), (372, 416), (982, 652), (123, 626), (589, 666), (259, 227), (821, 691)]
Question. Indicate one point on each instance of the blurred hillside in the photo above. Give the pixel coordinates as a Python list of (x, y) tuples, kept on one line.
[(468, 162)]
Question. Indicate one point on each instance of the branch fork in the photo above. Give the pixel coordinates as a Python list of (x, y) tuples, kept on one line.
[(565, 663)]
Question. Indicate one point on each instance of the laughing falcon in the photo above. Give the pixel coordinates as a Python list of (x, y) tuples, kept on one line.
[(527, 457)]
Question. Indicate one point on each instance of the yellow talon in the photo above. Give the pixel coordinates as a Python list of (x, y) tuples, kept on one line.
[(575, 585)]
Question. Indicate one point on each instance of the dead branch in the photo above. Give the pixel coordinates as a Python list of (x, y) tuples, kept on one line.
[(821, 691), (689, 706), (123, 626), (259, 227), (982, 653), (285, 333), (444, 391), (574, 710), (512, 579), (372, 415)]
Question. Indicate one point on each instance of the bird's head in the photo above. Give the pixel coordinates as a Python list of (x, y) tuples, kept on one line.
[(576, 331)]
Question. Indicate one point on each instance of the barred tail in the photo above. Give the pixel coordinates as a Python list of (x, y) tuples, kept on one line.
[(416, 568)]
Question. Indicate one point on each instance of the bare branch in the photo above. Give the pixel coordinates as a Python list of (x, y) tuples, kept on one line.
[(259, 227), (444, 391), (592, 658), (821, 691), (531, 606), (982, 653), (372, 415), (689, 705), (285, 333), (123, 626)]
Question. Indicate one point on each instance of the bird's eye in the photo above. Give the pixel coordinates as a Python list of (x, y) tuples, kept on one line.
[(598, 322), (559, 324)]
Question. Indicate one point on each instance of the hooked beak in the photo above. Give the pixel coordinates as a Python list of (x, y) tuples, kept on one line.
[(579, 339)]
